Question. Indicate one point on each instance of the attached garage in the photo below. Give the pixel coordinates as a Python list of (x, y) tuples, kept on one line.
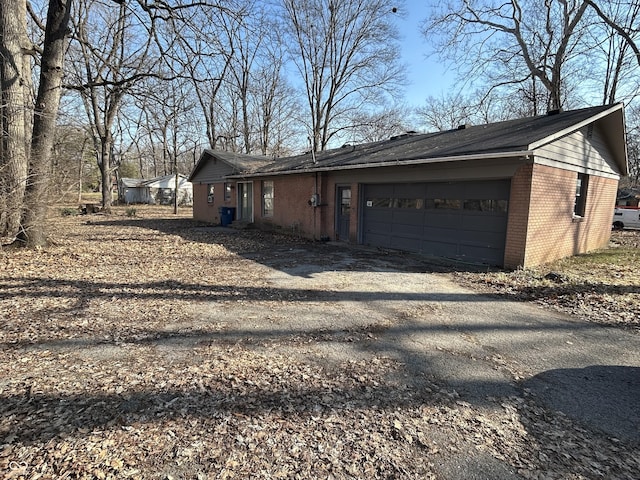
[(462, 220), (516, 193)]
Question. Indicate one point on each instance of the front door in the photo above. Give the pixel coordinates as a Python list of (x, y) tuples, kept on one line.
[(245, 201), (343, 213)]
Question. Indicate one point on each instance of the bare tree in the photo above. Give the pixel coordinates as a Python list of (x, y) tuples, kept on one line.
[(446, 112), (548, 52), (203, 55), (275, 104), (257, 85), (380, 125), (33, 230), (633, 145), (512, 42), (346, 54), (619, 78), (111, 56), (246, 41), (14, 78), (27, 141)]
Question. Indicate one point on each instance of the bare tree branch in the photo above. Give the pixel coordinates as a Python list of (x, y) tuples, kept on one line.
[(621, 31)]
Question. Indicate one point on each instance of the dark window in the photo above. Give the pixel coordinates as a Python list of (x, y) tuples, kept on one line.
[(443, 204), (379, 202), (345, 201), (408, 203), (502, 206), (580, 205), (476, 205), (498, 206), (267, 198), (227, 192)]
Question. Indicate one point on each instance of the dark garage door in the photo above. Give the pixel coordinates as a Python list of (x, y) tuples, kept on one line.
[(461, 220)]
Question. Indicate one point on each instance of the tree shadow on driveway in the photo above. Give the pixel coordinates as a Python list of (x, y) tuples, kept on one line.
[(219, 366), (294, 255), (604, 396)]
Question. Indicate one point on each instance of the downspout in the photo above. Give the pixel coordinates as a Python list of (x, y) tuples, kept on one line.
[(315, 198), (315, 207)]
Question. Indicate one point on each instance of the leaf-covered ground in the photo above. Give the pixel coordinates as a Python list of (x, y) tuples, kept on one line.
[(601, 287), (107, 370)]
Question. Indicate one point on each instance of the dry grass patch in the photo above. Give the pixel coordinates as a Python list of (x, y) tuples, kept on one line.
[(601, 287)]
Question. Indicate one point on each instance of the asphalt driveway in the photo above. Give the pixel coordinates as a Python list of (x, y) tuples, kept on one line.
[(484, 349)]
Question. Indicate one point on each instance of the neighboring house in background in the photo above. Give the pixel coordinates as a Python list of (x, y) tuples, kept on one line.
[(628, 197), (514, 193), (132, 190), (159, 190)]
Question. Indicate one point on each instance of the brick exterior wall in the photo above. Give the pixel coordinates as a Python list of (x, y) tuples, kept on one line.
[(208, 212), (355, 214), (541, 224), (552, 231), (291, 210), (518, 217)]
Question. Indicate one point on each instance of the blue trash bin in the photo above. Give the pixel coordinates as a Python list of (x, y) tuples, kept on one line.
[(226, 215)]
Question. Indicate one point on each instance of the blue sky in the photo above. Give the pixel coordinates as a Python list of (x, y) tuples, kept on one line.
[(425, 74)]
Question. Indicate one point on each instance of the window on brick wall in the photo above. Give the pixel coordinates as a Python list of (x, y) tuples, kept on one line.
[(267, 198), (227, 191), (582, 183), (210, 192)]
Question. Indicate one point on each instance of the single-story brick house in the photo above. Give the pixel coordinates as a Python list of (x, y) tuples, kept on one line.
[(514, 193)]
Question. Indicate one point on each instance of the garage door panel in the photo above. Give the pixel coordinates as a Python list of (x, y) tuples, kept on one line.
[(484, 223), (408, 216), (382, 190), (411, 230), (379, 240), (409, 190), (439, 249), (471, 253), (491, 189), (380, 228), (446, 221), (406, 243), (479, 239), (463, 220), (440, 233), (380, 215)]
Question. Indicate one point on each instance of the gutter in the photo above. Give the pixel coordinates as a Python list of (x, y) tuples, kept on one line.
[(397, 163)]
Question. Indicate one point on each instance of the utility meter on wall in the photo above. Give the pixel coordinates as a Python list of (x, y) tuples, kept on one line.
[(314, 201)]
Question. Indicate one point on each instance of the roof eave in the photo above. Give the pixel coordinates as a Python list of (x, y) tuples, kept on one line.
[(619, 149), (397, 163)]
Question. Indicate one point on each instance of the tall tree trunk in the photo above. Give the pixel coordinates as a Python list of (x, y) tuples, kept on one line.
[(105, 171), (44, 123), (14, 87)]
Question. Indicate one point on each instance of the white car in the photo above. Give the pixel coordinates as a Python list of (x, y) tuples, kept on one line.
[(626, 217)]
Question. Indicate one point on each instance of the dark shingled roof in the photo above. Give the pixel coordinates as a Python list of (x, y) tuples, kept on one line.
[(508, 137), (240, 162)]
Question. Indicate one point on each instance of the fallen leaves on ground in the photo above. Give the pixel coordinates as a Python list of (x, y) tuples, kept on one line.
[(108, 371), (601, 287)]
